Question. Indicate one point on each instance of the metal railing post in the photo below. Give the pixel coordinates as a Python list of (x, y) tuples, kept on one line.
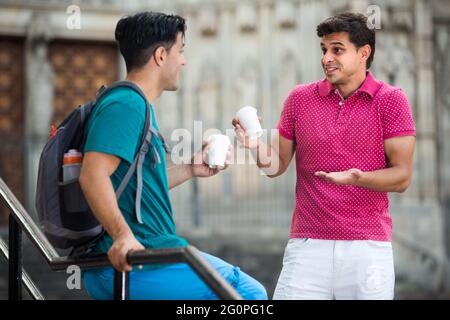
[(121, 285), (15, 260)]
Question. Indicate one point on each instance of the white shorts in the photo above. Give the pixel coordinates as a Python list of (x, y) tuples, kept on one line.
[(316, 269)]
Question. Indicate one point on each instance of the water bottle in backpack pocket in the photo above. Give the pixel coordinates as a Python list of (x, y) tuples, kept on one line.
[(74, 200)]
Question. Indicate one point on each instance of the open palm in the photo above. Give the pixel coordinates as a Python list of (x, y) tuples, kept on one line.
[(348, 177)]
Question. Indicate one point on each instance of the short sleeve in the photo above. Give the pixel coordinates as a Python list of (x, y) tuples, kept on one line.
[(116, 130), (286, 124), (397, 116)]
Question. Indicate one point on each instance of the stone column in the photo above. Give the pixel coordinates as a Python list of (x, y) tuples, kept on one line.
[(39, 101), (425, 102), (442, 69), (311, 13), (429, 225), (266, 51)]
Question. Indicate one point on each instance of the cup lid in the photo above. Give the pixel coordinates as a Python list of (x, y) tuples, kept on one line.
[(246, 109), (218, 136)]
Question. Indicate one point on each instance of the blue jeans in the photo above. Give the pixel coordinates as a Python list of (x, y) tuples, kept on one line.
[(174, 281)]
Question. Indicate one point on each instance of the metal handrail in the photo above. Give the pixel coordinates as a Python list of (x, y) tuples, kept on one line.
[(27, 224), (21, 220), (32, 289)]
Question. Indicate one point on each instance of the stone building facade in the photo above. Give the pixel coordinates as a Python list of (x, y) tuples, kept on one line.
[(239, 53)]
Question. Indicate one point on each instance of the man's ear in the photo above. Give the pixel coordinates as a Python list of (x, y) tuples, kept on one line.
[(366, 50), (160, 56)]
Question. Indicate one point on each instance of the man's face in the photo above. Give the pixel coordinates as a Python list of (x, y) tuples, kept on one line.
[(174, 61), (341, 59)]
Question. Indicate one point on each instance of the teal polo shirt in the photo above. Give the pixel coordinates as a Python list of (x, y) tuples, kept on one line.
[(116, 127)]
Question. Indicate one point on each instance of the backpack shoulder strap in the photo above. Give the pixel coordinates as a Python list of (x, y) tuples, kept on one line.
[(136, 166), (143, 150), (123, 83)]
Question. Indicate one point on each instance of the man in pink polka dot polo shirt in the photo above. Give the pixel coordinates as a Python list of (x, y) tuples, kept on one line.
[(353, 138)]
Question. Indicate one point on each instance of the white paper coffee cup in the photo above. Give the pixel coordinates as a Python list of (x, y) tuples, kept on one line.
[(217, 151), (248, 117)]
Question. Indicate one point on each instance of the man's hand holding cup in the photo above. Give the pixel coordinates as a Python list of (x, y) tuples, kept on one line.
[(247, 126), (214, 156)]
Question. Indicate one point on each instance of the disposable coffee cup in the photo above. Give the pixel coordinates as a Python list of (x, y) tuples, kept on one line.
[(217, 151), (248, 117)]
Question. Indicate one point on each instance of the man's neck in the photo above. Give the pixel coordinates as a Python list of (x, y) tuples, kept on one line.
[(149, 85), (347, 89)]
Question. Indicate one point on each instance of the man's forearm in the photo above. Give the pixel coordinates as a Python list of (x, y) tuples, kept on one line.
[(177, 174), (101, 197), (267, 159), (394, 179)]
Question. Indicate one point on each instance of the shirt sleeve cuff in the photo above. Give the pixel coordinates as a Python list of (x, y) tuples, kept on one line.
[(120, 153), (284, 133), (399, 134)]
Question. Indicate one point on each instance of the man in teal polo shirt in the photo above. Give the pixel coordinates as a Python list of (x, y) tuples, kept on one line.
[(152, 47), (116, 128)]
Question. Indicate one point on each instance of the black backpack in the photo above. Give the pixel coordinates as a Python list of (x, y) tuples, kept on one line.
[(63, 212)]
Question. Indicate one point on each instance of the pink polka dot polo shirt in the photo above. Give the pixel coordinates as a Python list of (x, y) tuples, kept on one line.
[(332, 135)]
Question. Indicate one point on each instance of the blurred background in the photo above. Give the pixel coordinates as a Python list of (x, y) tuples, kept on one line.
[(54, 55)]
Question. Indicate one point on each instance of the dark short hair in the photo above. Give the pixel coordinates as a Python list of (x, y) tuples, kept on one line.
[(356, 26), (140, 35)]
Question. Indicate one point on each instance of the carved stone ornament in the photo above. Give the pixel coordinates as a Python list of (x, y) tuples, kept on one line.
[(207, 20), (285, 15), (337, 6), (246, 18), (402, 20), (39, 28)]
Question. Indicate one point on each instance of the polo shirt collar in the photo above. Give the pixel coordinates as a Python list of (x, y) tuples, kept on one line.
[(369, 86)]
